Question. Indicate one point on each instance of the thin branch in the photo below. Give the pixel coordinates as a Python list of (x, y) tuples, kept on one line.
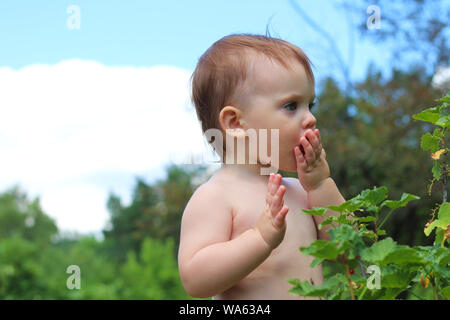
[(444, 176), (328, 37)]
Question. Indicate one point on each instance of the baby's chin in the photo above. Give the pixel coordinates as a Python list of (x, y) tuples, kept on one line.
[(288, 166), (285, 163), (288, 169)]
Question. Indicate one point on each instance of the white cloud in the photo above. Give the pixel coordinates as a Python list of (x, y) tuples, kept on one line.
[(66, 128), (442, 78)]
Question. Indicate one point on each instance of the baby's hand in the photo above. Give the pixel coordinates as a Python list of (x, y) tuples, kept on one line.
[(312, 168), (271, 224)]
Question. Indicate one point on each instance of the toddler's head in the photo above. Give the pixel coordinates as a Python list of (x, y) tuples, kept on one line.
[(256, 82)]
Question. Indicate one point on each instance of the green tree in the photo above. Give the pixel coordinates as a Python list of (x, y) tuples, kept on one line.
[(371, 140), (24, 218), (123, 234), (25, 230), (153, 274), (155, 211), (416, 31), (19, 271)]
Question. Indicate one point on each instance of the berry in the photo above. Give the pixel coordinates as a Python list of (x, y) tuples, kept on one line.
[(352, 271)]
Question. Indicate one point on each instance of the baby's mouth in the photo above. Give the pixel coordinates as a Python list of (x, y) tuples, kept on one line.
[(300, 145), (302, 149)]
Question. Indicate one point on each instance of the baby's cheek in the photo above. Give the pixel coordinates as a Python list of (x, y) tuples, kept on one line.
[(287, 159)]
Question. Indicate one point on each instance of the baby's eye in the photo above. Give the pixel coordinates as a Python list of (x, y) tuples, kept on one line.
[(291, 106), (312, 104)]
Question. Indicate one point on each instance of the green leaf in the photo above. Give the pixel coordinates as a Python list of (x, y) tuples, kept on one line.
[(374, 196), (390, 293), (443, 122), (428, 115), (350, 206), (446, 292), (439, 237), (381, 232), (441, 256), (315, 211), (306, 289), (347, 240), (443, 219), (321, 249), (369, 234), (366, 219), (327, 221), (445, 98), (404, 200), (367, 199), (383, 294), (436, 170), (394, 277), (316, 262), (378, 251), (403, 255), (429, 142), (444, 214), (431, 227), (434, 256), (437, 133), (343, 219)]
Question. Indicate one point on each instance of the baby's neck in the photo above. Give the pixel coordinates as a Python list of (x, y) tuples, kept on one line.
[(245, 171)]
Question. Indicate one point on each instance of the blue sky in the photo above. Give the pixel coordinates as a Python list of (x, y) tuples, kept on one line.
[(99, 105), (172, 32)]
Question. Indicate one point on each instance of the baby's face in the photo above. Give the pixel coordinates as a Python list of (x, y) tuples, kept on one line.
[(274, 97)]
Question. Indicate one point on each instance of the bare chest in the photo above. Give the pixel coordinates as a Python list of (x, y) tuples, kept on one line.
[(268, 280), (249, 203)]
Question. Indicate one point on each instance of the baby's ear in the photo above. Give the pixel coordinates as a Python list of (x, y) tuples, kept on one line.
[(231, 118)]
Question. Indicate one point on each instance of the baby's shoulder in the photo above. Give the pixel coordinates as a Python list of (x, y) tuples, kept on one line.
[(207, 205), (209, 193), (206, 190)]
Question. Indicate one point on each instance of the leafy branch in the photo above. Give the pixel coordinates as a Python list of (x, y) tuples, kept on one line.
[(355, 236)]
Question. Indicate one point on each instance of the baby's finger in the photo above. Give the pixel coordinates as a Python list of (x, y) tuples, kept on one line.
[(312, 138), (269, 187), (301, 162), (274, 184), (319, 151), (317, 132), (269, 183), (280, 218), (315, 143), (319, 147), (309, 152), (273, 187), (277, 201)]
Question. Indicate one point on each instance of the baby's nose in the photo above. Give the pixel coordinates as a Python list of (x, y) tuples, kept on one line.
[(309, 121)]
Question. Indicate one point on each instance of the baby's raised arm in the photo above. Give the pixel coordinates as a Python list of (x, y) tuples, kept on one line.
[(209, 262)]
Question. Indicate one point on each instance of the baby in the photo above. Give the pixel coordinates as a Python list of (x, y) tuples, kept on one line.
[(241, 230)]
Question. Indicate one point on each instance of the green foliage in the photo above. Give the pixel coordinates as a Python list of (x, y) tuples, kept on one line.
[(24, 218), (437, 115), (26, 272), (443, 219), (18, 269), (355, 239), (307, 289), (155, 212), (130, 263), (371, 140), (154, 275)]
